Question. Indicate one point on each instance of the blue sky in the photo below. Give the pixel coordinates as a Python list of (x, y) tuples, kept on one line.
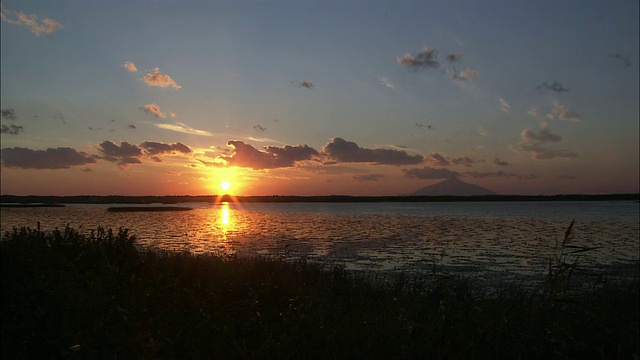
[(521, 97)]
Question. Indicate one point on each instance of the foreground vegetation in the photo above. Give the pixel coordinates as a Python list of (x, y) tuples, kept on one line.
[(65, 295)]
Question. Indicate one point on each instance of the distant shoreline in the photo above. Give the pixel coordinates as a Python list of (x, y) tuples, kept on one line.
[(40, 201)]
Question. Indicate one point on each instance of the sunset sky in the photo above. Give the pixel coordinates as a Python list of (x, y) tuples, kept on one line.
[(318, 97)]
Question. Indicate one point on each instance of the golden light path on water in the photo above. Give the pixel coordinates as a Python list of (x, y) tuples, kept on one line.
[(363, 236)]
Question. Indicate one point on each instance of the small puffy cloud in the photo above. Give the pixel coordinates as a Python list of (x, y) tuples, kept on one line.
[(346, 151), (303, 84), (453, 57), (563, 113), (464, 75), (429, 173), (555, 86), (259, 127), (11, 129), (37, 27), (183, 128), (157, 148), (271, 157), (132, 126), (424, 59), (124, 154), (499, 174), (499, 162), (504, 106), (154, 109), (384, 81), (58, 158), (463, 160), (156, 78), (367, 177), (8, 114), (130, 66)]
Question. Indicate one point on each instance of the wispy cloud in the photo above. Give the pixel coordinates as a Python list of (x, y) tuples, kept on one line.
[(259, 127), (429, 173), (563, 112), (183, 128), (499, 162), (130, 66), (302, 84), (384, 81), (58, 158), (424, 59), (154, 109), (453, 57), (346, 151), (45, 26), (625, 58), (504, 106), (367, 177), (153, 148), (498, 174), (158, 79)]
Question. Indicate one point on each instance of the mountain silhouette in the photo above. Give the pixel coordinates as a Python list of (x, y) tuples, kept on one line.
[(454, 187)]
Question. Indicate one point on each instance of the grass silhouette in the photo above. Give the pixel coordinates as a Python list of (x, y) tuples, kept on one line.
[(68, 295)]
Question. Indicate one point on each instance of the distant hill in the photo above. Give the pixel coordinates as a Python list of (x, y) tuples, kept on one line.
[(454, 187)]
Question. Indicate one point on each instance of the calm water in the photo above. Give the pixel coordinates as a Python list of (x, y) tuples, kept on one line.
[(508, 238)]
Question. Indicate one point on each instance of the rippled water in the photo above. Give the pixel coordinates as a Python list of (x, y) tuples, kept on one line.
[(507, 238)]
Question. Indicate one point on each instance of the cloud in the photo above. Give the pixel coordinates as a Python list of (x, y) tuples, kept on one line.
[(8, 114), (542, 137), (271, 157), (532, 143), (45, 26), (11, 129), (504, 106), (625, 58), (304, 84), (563, 113), (499, 162), (498, 174), (429, 173), (157, 148), (453, 57), (59, 158), (346, 151), (154, 109), (367, 177), (435, 159), (132, 126), (156, 78), (482, 131), (533, 112), (464, 75), (384, 81), (463, 160), (258, 127), (424, 59), (124, 154), (130, 66), (183, 128), (556, 86)]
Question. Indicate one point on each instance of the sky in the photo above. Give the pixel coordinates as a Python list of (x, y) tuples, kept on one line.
[(170, 97)]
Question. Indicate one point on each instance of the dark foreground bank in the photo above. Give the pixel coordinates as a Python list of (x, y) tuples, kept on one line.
[(65, 295)]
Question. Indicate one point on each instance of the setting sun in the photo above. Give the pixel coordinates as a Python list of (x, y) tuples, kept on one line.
[(225, 185)]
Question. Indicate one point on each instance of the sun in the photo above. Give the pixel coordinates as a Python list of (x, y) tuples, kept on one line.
[(225, 185)]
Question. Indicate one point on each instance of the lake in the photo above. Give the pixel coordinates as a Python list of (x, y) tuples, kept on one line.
[(487, 239)]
